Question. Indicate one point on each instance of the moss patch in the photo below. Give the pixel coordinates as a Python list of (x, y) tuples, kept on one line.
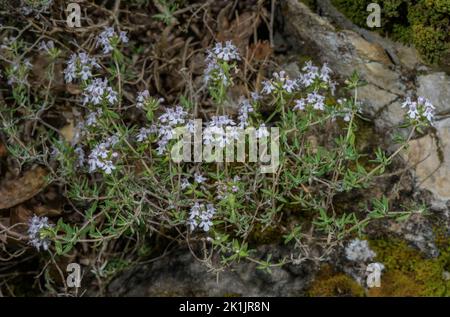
[(329, 283), (408, 273)]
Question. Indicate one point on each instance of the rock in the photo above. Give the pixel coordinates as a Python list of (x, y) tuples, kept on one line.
[(430, 159), (418, 231), (408, 56), (366, 50), (388, 69), (390, 116), (179, 274), (346, 51), (436, 88)]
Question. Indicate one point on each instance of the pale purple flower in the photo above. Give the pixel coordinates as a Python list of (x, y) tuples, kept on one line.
[(244, 110), (185, 183), (200, 216), (199, 178), (79, 66), (142, 98), (101, 157), (98, 91), (227, 52), (143, 134), (420, 110), (46, 46), (80, 156), (300, 104), (35, 227), (262, 131), (220, 53)]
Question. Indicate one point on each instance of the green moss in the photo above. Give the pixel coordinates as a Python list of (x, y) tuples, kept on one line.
[(408, 273), (268, 235), (424, 23), (329, 283)]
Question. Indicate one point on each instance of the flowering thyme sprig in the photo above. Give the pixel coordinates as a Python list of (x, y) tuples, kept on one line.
[(313, 100), (164, 129), (39, 232), (98, 91), (200, 216), (49, 48), (102, 156), (221, 63), (316, 77), (420, 112), (108, 39), (280, 83), (80, 66)]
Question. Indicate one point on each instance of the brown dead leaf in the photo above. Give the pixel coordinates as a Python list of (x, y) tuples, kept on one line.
[(20, 214), (240, 30), (14, 192), (48, 211), (73, 89), (260, 51)]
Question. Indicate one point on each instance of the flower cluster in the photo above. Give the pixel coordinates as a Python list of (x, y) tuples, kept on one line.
[(144, 133), (198, 178), (35, 7), (83, 127), (167, 122), (46, 46), (262, 132), (79, 66), (279, 83), (107, 38), (92, 117), (345, 109), (419, 111), (359, 251), (36, 232), (312, 74), (142, 97), (18, 72), (201, 216), (244, 110), (102, 156), (216, 57), (97, 91), (220, 131), (80, 156), (227, 52), (312, 99)]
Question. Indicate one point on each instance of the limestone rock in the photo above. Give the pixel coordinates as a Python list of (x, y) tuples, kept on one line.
[(436, 88), (431, 161), (346, 51), (181, 275)]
